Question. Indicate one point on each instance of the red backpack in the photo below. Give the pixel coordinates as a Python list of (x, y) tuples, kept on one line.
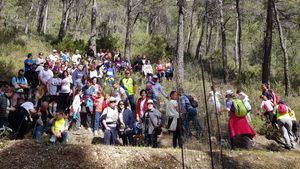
[(282, 109)]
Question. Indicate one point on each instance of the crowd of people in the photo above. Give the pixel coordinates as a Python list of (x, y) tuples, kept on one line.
[(60, 93)]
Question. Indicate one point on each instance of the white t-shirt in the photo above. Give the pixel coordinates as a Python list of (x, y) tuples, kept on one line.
[(27, 106), (53, 84), (45, 75), (267, 105), (147, 69), (171, 108), (66, 85), (112, 116), (93, 73), (54, 58), (75, 58), (76, 104)]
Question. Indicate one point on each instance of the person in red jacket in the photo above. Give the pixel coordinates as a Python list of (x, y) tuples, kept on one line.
[(141, 108)]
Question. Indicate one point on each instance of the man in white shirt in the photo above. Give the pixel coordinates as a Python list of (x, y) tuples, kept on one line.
[(119, 92), (76, 57), (45, 74), (54, 56)]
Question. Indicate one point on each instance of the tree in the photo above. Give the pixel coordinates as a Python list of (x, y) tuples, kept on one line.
[(238, 36), (66, 7), (267, 44), (93, 27), (284, 51), (180, 43), (224, 47), (42, 16), (191, 25), (1, 5)]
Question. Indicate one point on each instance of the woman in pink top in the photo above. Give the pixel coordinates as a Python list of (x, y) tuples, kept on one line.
[(268, 108)]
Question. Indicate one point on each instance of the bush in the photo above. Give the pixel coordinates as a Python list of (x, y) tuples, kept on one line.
[(112, 43), (72, 45)]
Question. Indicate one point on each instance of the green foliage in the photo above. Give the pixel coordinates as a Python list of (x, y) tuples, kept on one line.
[(112, 43), (72, 45)]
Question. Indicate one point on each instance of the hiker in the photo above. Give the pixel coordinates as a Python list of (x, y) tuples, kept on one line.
[(77, 76), (53, 85), (19, 120), (32, 78), (238, 125), (152, 121), (95, 84), (110, 74), (269, 93), (5, 106), (118, 92), (245, 99), (295, 123), (59, 129), (174, 121), (98, 101), (40, 59), (65, 91), (127, 131), (285, 123), (110, 117), (267, 106), (214, 99), (160, 68), (88, 92), (169, 70), (141, 108), (129, 85), (157, 89), (188, 107), (20, 84), (41, 121), (44, 76), (147, 69), (28, 62), (76, 57), (138, 64), (75, 108)]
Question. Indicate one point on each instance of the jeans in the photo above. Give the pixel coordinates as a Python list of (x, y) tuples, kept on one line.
[(97, 123), (195, 121), (131, 102), (156, 102), (88, 118), (63, 138), (39, 130), (110, 136), (286, 129)]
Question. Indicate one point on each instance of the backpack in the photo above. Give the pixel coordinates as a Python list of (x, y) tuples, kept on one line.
[(147, 119), (239, 108), (282, 109), (192, 100)]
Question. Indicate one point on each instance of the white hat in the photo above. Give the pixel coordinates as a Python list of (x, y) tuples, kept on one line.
[(229, 92), (54, 51), (150, 101), (112, 99)]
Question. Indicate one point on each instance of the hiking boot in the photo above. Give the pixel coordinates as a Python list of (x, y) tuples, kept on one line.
[(287, 147), (90, 130), (96, 133)]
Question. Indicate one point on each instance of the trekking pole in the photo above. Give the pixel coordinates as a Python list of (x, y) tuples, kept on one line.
[(216, 112), (207, 115)]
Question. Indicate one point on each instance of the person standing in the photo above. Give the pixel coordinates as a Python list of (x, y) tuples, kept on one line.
[(173, 119), (129, 85), (152, 121), (88, 92), (98, 101), (20, 84), (5, 105), (76, 57), (127, 118), (157, 90), (33, 81), (65, 91), (28, 62), (110, 119)]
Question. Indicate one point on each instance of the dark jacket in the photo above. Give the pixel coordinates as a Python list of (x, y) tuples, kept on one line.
[(128, 118), (3, 105), (32, 78)]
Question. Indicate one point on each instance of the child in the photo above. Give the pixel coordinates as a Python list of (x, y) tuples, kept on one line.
[(59, 129), (76, 108), (267, 106), (52, 86), (88, 92), (98, 103)]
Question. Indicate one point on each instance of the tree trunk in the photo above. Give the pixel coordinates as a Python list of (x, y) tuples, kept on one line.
[(1, 5), (208, 37), (45, 20), (180, 43), (238, 37), (93, 28), (284, 51), (127, 51), (191, 25), (267, 45), (66, 6), (224, 47), (42, 18), (27, 18), (203, 20)]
